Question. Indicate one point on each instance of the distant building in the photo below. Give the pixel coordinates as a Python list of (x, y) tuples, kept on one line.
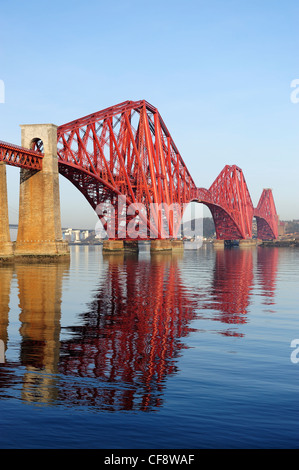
[(281, 228)]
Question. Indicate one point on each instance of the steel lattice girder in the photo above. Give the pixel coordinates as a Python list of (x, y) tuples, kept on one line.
[(20, 157), (230, 203), (266, 216), (126, 150), (130, 152), (232, 196)]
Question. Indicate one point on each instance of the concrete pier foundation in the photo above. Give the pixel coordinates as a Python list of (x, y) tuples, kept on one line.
[(113, 246), (248, 243), (6, 247), (39, 232), (159, 245), (238, 243), (131, 246), (177, 245), (218, 243)]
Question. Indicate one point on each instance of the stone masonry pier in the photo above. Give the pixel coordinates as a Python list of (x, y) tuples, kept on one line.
[(6, 247), (39, 230)]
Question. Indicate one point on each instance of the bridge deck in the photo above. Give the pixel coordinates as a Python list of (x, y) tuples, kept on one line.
[(19, 156)]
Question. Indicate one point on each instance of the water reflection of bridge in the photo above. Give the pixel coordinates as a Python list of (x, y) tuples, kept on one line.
[(126, 344)]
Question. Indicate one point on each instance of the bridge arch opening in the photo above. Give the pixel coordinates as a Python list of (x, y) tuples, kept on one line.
[(37, 145), (98, 193), (13, 196), (192, 221), (263, 228), (76, 210), (225, 227)]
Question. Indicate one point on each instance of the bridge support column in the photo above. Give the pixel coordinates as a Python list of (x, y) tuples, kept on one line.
[(177, 245), (159, 245), (248, 242), (218, 243), (6, 247), (39, 232), (131, 246), (113, 246)]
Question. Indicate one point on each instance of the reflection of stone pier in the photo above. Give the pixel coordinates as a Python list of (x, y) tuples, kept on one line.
[(6, 273), (40, 292)]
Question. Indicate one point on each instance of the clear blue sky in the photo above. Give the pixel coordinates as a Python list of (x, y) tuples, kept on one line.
[(218, 71)]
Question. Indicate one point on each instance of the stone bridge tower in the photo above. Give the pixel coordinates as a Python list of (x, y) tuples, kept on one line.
[(39, 232), (6, 247)]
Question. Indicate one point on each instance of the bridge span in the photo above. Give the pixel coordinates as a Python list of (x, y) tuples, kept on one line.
[(122, 153)]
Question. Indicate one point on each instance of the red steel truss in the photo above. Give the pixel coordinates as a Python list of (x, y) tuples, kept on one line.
[(20, 157), (266, 216), (230, 204), (127, 151)]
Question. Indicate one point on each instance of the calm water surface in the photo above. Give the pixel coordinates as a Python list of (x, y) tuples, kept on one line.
[(187, 350)]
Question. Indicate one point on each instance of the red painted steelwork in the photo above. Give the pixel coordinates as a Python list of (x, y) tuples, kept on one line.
[(266, 216), (126, 150), (230, 204), (20, 157)]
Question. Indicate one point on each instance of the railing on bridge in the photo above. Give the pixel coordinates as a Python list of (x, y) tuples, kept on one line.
[(202, 195)]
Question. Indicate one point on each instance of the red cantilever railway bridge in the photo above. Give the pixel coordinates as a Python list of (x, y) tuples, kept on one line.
[(126, 150)]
